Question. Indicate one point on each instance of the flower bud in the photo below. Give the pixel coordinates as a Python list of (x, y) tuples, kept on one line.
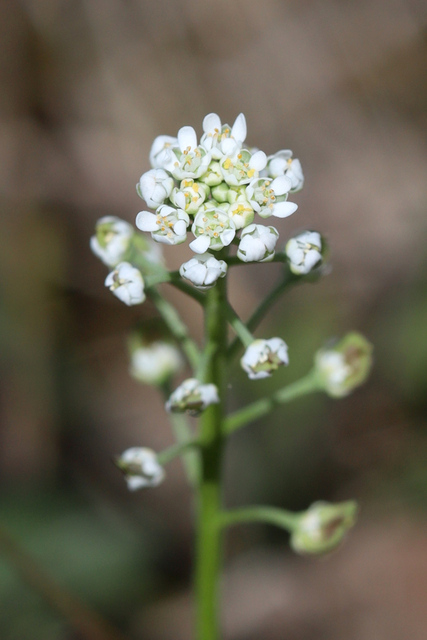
[(203, 271), (262, 357), (192, 396), (127, 284), (140, 467), (257, 243), (154, 187), (190, 196), (155, 363), (111, 240), (304, 252), (282, 164), (323, 527), (213, 229), (345, 366)]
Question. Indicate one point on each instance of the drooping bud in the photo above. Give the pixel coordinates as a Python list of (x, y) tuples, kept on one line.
[(305, 252), (257, 243), (345, 366), (262, 357), (155, 363), (111, 240), (140, 468), (203, 271), (193, 397), (127, 284), (323, 527)]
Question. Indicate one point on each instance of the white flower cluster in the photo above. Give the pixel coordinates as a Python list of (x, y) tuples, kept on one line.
[(213, 187)]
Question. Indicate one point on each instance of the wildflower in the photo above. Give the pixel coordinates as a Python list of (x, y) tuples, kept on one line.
[(269, 197), (154, 187), (257, 243), (188, 160), (304, 252), (241, 213), (141, 468), (127, 284), (213, 230), (111, 240), (167, 225), (323, 527), (242, 167), (155, 363), (282, 164), (190, 196), (342, 368), (203, 271), (221, 139), (262, 357), (192, 396), (161, 152)]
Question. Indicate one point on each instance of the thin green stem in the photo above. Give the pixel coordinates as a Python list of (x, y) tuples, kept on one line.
[(173, 278), (175, 450), (243, 333), (177, 327), (287, 280), (262, 407), (272, 515), (208, 547)]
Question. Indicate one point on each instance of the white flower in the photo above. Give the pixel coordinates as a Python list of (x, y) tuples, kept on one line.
[(155, 362), (282, 163), (192, 396), (222, 139), (334, 371), (264, 356), (304, 252), (126, 283), (213, 230), (167, 225), (141, 468), (241, 213), (190, 196), (257, 243), (268, 197), (111, 240), (154, 187), (203, 271), (161, 151), (189, 160), (242, 167)]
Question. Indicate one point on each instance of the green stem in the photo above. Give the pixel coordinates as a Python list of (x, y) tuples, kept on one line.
[(175, 450), (176, 326), (208, 547), (243, 333), (260, 408), (173, 278), (288, 279), (279, 517)]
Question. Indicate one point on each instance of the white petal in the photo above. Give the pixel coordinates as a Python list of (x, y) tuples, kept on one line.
[(179, 199), (284, 209), (238, 130), (200, 244), (211, 122), (197, 274), (227, 236), (187, 138), (258, 161), (146, 221), (229, 147), (281, 185), (180, 228)]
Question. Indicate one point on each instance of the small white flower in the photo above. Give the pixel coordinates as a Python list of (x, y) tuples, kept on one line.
[(162, 151), (203, 271), (242, 167), (141, 468), (213, 230), (282, 163), (111, 240), (241, 213), (127, 284), (269, 197), (221, 139), (334, 371), (257, 243), (304, 252), (155, 363), (154, 187), (189, 160), (192, 396), (167, 225), (190, 196), (262, 357)]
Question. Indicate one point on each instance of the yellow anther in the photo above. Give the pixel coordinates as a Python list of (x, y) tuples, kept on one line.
[(163, 228), (196, 187), (240, 156), (194, 199), (215, 215), (205, 219), (251, 173), (170, 224), (216, 234), (227, 164)]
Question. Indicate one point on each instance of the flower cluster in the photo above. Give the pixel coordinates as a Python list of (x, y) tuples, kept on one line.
[(212, 188)]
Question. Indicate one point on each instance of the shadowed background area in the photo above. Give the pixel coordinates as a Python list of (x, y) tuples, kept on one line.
[(85, 88)]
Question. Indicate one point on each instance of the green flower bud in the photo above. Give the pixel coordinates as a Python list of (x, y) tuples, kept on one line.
[(213, 175), (220, 192), (342, 368), (323, 527)]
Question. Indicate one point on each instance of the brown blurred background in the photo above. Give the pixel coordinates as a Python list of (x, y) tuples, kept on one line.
[(85, 87)]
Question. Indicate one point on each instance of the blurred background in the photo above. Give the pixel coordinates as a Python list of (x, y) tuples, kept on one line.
[(85, 87)]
